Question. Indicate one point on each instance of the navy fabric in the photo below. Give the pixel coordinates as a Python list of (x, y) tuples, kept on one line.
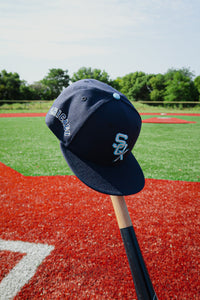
[(97, 127), (121, 179), (77, 102)]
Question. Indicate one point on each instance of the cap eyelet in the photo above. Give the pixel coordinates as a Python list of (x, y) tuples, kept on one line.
[(84, 98)]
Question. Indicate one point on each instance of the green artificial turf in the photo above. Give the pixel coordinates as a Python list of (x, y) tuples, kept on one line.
[(170, 151), (28, 146), (164, 151)]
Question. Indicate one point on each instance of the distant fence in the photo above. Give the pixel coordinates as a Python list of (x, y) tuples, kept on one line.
[(169, 102), (154, 103), (173, 103)]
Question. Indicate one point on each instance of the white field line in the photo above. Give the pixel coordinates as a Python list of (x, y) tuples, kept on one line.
[(25, 269)]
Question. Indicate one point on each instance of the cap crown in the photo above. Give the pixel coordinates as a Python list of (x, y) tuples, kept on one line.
[(95, 121)]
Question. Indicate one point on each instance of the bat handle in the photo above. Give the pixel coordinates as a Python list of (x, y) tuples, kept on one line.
[(143, 286)]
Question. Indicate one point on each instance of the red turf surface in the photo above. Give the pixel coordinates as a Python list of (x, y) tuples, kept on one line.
[(15, 115), (89, 261), (173, 114), (8, 260), (8, 115), (166, 120)]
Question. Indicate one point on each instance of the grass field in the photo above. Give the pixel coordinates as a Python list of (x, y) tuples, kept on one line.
[(165, 151)]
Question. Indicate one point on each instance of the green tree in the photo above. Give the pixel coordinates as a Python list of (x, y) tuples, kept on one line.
[(179, 86), (40, 91), (157, 87), (9, 85), (26, 93), (55, 81), (184, 71), (97, 74), (135, 86), (197, 85)]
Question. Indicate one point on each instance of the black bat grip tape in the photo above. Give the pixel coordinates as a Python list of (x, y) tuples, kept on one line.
[(143, 286)]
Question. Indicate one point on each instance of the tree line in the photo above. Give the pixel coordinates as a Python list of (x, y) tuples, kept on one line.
[(176, 85)]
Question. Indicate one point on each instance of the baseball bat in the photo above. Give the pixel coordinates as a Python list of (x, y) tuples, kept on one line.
[(143, 285)]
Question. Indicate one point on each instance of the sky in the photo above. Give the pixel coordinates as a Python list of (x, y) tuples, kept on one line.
[(119, 37)]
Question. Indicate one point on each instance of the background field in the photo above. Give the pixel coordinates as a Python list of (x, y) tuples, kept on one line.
[(165, 151), (88, 257)]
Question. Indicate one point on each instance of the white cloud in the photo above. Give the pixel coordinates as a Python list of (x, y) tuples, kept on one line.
[(74, 31), (65, 27), (77, 18)]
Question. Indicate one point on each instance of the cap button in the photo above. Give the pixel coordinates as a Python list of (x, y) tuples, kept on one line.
[(116, 96)]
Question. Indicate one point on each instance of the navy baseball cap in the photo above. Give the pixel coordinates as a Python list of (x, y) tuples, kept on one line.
[(97, 127)]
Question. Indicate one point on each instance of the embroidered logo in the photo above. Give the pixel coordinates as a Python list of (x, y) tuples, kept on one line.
[(54, 111), (120, 145)]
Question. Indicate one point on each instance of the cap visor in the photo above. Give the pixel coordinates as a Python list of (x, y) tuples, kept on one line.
[(122, 179)]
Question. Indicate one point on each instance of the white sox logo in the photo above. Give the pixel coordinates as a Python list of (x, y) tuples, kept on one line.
[(120, 145)]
